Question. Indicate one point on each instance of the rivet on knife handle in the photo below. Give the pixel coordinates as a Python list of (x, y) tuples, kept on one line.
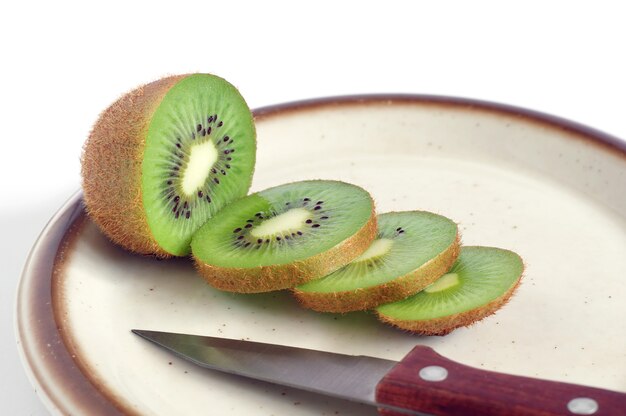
[(427, 382)]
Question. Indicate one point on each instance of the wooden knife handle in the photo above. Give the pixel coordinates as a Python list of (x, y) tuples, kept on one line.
[(427, 382)]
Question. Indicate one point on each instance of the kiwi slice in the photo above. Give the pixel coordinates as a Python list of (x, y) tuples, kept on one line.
[(166, 157), (285, 236), (412, 249), (481, 281)]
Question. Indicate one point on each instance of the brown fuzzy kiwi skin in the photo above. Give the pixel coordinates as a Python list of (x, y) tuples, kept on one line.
[(392, 291), (285, 276), (446, 324), (111, 167)]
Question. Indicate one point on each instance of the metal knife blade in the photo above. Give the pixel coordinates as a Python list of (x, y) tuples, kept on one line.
[(423, 382), (344, 376)]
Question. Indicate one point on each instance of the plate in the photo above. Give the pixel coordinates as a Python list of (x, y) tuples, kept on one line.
[(550, 189)]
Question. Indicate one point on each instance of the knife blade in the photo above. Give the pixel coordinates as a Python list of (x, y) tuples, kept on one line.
[(423, 382)]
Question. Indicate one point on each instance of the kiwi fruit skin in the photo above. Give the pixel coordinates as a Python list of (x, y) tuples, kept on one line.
[(392, 291), (284, 276), (111, 167), (112, 162), (444, 325)]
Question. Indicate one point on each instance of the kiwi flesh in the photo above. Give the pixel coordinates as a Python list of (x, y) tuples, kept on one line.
[(166, 157), (285, 236), (412, 249), (481, 281)]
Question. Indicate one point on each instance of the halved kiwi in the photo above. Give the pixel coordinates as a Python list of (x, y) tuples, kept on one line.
[(481, 281), (285, 236), (412, 249), (164, 158)]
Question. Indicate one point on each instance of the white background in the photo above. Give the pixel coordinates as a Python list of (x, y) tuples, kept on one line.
[(64, 63)]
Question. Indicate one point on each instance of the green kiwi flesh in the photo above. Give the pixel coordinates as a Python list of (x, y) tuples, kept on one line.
[(284, 236), (199, 156), (412, 249), (481, 281)]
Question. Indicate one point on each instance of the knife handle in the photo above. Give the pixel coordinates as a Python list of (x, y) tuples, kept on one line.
[(427, 382)]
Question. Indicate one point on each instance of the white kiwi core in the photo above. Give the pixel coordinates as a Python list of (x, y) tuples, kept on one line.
[(444, 282), (376, 249), (289, 220), (201, 159)]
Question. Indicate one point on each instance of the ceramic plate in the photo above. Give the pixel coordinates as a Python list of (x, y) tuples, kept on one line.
[(552, 190)]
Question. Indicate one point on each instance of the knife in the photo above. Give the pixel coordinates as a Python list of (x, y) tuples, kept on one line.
[(423, 382)]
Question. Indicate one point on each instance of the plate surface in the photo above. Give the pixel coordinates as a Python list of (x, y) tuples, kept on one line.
[(549, 189)]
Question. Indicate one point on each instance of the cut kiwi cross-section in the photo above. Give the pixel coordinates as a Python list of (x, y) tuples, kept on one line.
[(285, 236), (412, 250), (165, 158), (481, 281)]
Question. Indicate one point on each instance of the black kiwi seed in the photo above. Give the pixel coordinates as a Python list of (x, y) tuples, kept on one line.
[(277, 238), (188, 214), (248, 226), (236, 230), (309, 221), (199, 127), (259, 241), (299, 232), (315, 225), (306, 199), (210, 119), (240, 237), (324, 217), (225, 138), (200, 194), (317, 207), (220, 124), (208, 199), (217, 181)]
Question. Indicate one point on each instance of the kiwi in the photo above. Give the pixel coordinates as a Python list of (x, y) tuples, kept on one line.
[(412, 249), (285, 236), (481, 281), (166, 157)]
